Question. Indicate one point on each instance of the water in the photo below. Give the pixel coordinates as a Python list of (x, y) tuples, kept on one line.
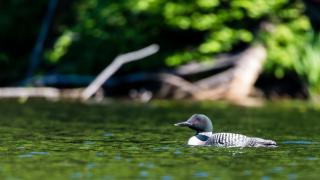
[(64, 140)]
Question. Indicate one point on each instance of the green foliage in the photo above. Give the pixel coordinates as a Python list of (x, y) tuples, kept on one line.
[(95, 31), (283, 42), (102, 30), (185, 30), (60, 47), (307, 61)]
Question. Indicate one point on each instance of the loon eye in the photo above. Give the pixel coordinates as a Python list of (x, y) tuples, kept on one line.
[(197, 120)]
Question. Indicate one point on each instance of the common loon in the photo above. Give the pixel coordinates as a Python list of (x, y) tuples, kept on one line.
[(204, 136)]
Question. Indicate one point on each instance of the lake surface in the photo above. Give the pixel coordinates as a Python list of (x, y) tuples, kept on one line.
[(119, 140)]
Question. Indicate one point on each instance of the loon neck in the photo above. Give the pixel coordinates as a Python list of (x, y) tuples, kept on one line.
[(205, 133), (203, 136)]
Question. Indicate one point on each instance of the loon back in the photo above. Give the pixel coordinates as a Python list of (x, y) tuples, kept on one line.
[(237, 140)]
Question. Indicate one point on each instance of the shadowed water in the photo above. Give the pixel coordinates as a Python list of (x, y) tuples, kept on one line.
[(47, 140)]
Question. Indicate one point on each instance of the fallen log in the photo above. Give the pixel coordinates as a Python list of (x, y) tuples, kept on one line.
[(39, 92), (234, 84), (221, 62), (237, 82)]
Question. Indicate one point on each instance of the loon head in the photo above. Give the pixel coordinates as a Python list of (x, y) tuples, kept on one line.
[(198, 122)]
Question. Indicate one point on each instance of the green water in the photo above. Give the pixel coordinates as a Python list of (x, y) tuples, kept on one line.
[(56, 140)]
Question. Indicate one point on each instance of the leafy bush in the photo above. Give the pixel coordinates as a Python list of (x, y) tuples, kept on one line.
[(306, 62), (186, 30), (283, 42)]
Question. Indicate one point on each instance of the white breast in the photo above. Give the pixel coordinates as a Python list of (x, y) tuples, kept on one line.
[(194, 141)]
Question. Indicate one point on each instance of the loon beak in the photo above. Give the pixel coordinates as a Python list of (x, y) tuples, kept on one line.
[(183, 124)]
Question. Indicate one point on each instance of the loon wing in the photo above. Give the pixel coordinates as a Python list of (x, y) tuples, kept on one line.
[(238, 140), (227, 140)]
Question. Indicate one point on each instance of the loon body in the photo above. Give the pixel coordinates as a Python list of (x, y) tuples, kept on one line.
[(204, 136)]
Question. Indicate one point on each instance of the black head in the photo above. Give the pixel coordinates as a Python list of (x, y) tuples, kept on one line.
[(198, 122)]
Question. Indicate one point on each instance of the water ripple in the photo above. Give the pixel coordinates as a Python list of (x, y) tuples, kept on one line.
[(30, 154), (299, 142), (311, 158), (277, 169), (39, 153), (108, 134), (265, 178), (25, 155), (143, 173), (201, 174), (292, 176), (247, 173), (166, 177)]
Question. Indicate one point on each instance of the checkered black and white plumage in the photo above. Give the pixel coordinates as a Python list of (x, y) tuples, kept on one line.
[(237, 140)]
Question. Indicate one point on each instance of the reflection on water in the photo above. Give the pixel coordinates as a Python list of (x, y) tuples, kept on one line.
[(41, 140), (301, 142), (277, 169), (31, 154), (201, 174)]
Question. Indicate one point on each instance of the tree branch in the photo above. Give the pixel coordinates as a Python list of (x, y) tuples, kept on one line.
[(114, 66)]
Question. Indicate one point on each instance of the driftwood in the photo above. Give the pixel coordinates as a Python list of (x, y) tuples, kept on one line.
[(114, 66), (94, 86), (234, 84), (220, 62), (39, 92)]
